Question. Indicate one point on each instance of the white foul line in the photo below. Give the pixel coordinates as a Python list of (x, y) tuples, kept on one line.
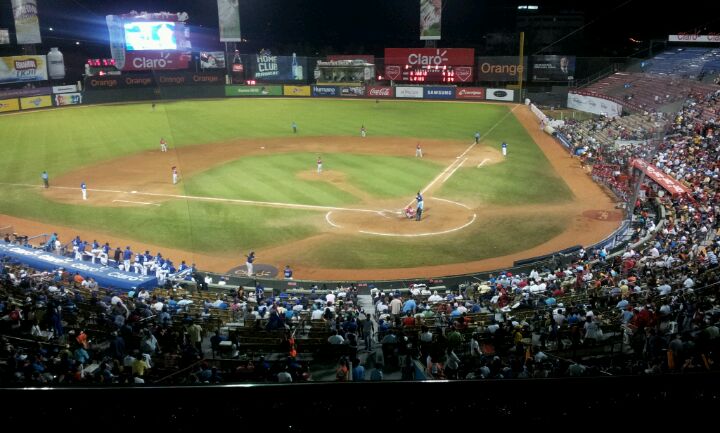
[(201, 198), (454, 170), (463, 154), (483, 162), (422, 234), (136, 202)]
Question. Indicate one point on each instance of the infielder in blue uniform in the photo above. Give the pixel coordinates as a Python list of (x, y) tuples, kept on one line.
[(477, 137)]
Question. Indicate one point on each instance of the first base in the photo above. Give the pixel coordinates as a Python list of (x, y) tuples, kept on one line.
[(133, 192)]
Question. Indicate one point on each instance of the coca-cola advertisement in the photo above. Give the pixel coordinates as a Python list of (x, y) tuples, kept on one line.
[(430, 56), (380, 92), (155, 60), (470, 93)]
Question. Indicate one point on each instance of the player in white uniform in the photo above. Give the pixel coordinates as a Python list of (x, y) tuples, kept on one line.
[(363, 132), (83, 188), (319, 165), (418, 151), (504, 148), (174, 175), (163, 145)]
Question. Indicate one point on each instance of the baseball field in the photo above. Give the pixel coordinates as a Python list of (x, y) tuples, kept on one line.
[(247, 182)]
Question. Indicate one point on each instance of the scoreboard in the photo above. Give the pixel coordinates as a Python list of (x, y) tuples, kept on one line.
[(429, 74), (100, 67)]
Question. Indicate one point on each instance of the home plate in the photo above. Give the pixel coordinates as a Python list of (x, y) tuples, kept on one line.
[(133, 192)]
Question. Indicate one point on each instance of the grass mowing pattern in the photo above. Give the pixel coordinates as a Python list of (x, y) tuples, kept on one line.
[(525, 176), (274, 178), (482, 240), (192, 226)]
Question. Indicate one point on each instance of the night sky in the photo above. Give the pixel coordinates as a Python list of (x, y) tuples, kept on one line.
[(320, 27)]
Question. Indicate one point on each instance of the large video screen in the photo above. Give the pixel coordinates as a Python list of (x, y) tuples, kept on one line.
[(150, 35)]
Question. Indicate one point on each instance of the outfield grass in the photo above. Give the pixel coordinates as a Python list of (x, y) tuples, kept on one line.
[(64, 140)]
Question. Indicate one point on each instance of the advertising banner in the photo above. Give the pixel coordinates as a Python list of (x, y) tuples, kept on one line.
[(595, 105), (553, 68), (65, 89), (408, 92), (105, 276), (501, 68), (212, 60), (470, 93), (16, 93), (229, 20), (296, 90), (380, 92), (430, 56), (152, 60), (253, 91), (34, 102), (189, 78), (27, 27), (4, 36), (68, 99), (155, 60), (351, 91), (15, 69), (669, 183), (499, 94), (266, 67), (430, 19), (119, 82), (438, 92), (694, 38), (325, 91), (9, 105)]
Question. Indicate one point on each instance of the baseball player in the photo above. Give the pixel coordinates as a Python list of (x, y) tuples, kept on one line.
[(46, 179), (163, 145), (174, 175), (294, 127), (319, 165), (504, 148), (127, 255), (420, 206), (249, 263), (418, 151), (363, 132), (477, 137), (83, 188)]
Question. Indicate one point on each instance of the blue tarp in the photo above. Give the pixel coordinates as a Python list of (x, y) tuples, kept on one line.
[(106, 277)]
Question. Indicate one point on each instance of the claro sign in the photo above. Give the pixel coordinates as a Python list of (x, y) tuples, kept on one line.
[(430, 56), (155, 60)]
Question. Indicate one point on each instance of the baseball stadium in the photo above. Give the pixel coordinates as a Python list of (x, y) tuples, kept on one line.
[(193, 209)]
